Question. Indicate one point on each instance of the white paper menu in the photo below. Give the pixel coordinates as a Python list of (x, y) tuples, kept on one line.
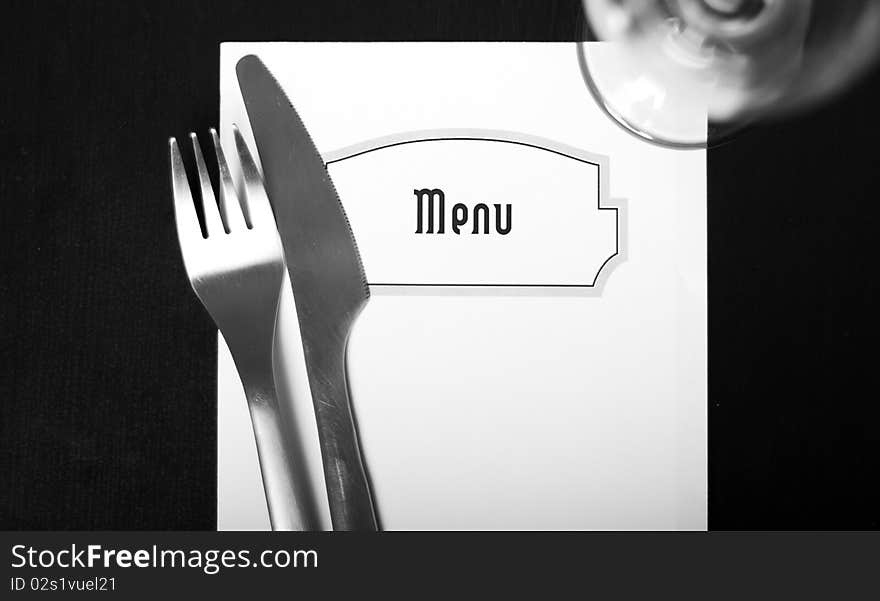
[(533, 355)]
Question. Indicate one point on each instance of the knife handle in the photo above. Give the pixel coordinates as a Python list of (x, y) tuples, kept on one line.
[(348, 491)]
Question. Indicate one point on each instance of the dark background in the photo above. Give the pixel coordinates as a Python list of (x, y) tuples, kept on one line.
[(107, 361)]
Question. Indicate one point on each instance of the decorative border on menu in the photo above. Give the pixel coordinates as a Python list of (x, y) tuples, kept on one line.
[(506, 137)]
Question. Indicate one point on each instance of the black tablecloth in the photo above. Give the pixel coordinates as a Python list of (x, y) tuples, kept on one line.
[(107, 361)]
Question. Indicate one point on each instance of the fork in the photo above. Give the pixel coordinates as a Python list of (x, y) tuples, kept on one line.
[(236, 267)]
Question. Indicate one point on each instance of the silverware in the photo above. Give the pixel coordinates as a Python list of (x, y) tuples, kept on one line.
[(236, 266), (329, 285)]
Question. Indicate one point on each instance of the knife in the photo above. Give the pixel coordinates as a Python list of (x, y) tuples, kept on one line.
[(327, 277)]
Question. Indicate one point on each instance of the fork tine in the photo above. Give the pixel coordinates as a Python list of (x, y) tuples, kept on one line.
[(209, 203), (259, 209), (188, 228), (230, 207)]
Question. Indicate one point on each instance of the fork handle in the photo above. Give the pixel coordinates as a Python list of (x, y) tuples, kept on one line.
[(287, 510)]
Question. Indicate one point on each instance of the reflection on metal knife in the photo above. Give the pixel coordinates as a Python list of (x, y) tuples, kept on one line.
[(329, 285)]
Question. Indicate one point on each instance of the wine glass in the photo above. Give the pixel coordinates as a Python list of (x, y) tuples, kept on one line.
[(690, 73)]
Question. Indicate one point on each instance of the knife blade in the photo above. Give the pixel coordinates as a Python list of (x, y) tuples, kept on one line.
[(329, 285)]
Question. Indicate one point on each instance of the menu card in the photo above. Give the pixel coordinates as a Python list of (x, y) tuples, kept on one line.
[(533, 355)]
